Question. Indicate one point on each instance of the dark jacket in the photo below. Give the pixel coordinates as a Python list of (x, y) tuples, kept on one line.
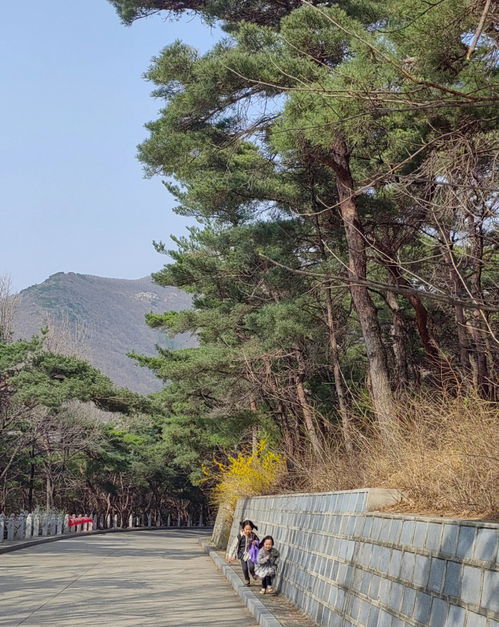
[(242, 544)]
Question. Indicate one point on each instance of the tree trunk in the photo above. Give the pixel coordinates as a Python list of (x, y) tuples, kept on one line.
[(428, 341), (338, 376), (49, 491), (335, 354), (477, 326), (399, 341), (307, 411), (285, 422), (459, 315), (338, 159), (31, 482), (254, 429)]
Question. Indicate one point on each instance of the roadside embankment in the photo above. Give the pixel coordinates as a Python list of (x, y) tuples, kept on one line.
[(344, 563)]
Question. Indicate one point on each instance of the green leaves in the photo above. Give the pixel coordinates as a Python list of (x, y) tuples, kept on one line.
[(60, 450), (322, 147)]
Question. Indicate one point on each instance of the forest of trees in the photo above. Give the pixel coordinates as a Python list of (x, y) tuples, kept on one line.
[(70, 440), (341, 162), (340, 159)]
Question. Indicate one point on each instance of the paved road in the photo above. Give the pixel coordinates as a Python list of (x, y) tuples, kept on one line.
[(137, 578)]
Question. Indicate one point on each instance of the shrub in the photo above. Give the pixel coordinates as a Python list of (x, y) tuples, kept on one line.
[(248, 474), (443, 457)]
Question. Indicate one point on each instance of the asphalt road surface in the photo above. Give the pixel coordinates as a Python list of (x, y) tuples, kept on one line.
[(137, 578)]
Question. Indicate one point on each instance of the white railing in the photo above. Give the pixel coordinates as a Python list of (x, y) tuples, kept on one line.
[(28, 526)]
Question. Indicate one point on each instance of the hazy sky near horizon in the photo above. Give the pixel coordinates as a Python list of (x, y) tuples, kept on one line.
[(73, 197)]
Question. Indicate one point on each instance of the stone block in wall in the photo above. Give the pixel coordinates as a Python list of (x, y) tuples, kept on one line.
[(340, 600), (421, 570), (490, 591), (384, 619), (456, 616), (408, 601), (366, 532), (439, 611), (384, 591), (407, 533), (372, 621), (437, 575), (422, 607), (453, 579), (363, 612), (407, 566), (359, 526), (374, 587), (485, 545), (466, 540), (433, 537), (354, 607), (420, 531), (471, 585), (450, 534), (395, 563), (395, 531), (475, 620), (377, 528), (396, 596), (384, 530)]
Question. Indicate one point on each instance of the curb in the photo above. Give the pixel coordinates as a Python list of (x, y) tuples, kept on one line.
[(259, 611), (28, 543)]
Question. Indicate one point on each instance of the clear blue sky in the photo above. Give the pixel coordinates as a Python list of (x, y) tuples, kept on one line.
[(72, 110)]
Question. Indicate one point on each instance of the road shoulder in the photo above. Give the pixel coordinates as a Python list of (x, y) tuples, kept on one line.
[(268, 610)]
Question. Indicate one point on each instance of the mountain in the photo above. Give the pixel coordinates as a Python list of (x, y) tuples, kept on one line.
[(101, 320)]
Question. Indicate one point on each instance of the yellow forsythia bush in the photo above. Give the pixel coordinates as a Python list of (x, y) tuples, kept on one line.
[(245, 475)]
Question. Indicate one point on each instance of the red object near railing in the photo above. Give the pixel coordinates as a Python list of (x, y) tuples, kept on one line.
[(79, 520)]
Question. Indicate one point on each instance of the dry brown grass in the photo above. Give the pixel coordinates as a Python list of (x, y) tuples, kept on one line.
[(444, 458)]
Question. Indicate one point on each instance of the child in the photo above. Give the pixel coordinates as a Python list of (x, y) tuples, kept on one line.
[(266, 565), (241, 548)]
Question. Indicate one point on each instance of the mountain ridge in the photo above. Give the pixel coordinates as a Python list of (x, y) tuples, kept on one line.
[(102, 319)]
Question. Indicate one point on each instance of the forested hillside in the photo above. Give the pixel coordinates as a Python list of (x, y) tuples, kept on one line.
[(341, 159), (71, 439), (102, 320)]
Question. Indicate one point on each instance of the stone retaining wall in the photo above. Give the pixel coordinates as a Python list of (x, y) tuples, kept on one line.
[(346, 565)]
